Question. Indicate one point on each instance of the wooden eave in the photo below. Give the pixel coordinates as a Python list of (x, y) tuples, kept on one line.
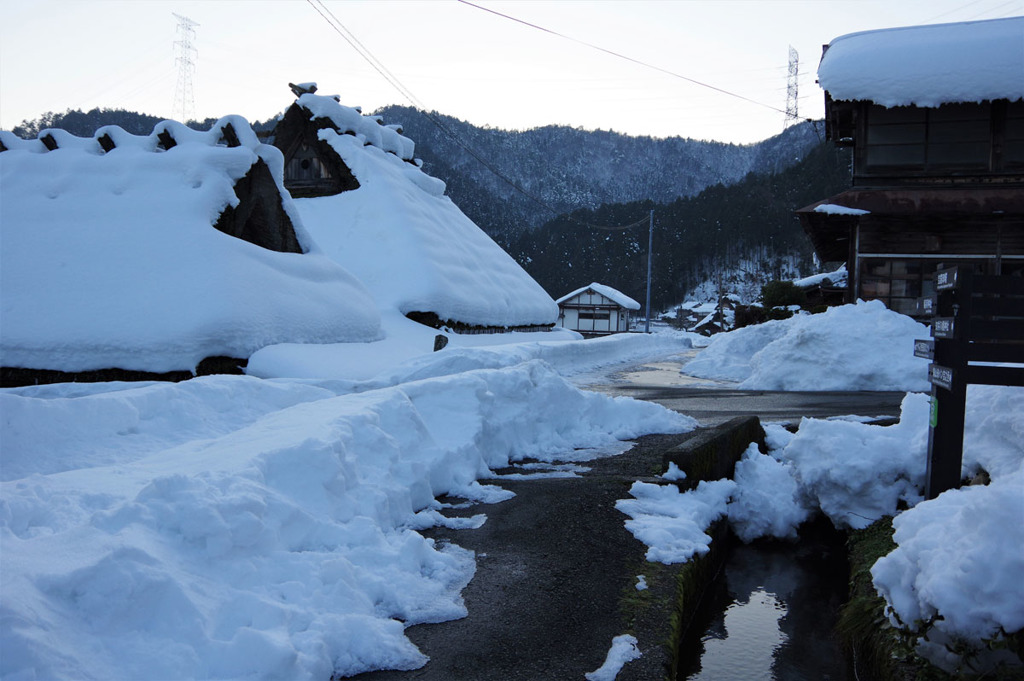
[(940, 208)]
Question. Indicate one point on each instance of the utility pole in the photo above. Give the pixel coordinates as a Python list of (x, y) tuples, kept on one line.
[(650, 253), (184, 95), (792, 86)]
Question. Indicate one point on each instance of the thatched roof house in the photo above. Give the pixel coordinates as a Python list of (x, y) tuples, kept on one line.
[(374, 211), (145, 255)]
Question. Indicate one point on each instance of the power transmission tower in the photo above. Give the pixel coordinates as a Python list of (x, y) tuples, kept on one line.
[(185, 57), (792, 83)]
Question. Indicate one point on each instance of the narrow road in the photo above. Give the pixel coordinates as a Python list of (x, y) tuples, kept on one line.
[(715, 402)]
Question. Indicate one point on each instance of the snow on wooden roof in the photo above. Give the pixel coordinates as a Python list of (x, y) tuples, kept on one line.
[(111, 260), (928, 65), (619, 298), (370, 130)]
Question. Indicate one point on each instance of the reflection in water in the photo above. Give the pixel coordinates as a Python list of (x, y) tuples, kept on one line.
[(773, 615), (756, 624)]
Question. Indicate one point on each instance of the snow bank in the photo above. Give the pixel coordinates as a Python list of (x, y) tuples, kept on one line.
[(928, 65), (111, 259), (958, 562), (857, 473), (407, 354), (853, 347), (414, 249), (178, 531)]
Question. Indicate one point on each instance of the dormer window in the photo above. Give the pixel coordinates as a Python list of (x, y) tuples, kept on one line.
[(305, 166)]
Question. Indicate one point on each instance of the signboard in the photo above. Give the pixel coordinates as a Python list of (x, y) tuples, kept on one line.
[(946, 280), (926, 306), (943, 327), (924, 348), (941, 376)]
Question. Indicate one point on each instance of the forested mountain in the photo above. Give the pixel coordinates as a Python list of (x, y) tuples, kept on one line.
[(569, 169), (749, 222)]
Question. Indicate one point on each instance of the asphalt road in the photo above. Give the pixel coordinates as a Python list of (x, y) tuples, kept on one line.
[(712, 406)]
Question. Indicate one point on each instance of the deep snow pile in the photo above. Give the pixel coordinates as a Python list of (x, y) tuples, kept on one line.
[(232, 527), (957, 564), (864, 346), (111, 259), (928, 65), (409, 244)]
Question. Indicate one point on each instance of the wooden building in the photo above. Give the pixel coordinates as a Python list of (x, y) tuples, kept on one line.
[(935, 118), (596, 310)]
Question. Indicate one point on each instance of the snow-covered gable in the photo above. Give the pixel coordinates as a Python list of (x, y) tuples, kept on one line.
[(619, 298), (369, 130), (928, 65), (110, 257), (405, 240)]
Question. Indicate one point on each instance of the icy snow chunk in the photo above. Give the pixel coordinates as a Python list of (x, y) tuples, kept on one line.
[(672, 523), (622, 651), (768, 500)]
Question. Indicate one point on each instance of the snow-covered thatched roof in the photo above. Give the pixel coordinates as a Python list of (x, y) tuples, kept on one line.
[(405, 240), (619, 298), (928, 65), (110, 257)]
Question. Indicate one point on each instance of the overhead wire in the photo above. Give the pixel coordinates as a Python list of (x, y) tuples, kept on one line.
[(622, 56), (393, 80)]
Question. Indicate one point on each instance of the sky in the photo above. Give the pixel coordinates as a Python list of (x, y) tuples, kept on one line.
[(452, 57)]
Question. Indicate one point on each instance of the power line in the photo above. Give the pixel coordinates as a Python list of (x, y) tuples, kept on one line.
[(365, 53), (623, 56)]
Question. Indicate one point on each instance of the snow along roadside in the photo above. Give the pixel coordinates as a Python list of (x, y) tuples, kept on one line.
[(283, 547)]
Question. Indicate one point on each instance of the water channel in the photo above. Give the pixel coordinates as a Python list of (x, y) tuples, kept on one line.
[(771, 615)]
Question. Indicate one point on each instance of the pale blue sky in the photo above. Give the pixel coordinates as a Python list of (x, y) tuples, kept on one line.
[(459, 60)]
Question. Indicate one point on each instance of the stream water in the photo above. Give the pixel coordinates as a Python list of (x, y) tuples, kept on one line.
[(772, 614)]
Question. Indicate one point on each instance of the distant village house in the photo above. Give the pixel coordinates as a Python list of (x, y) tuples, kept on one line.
[(596, 310)]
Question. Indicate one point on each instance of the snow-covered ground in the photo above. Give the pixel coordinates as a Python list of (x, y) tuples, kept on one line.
[(237, 526)]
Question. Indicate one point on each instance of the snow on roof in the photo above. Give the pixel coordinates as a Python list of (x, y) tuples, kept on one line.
[(408, 243), (370, 130), (928, 65), (618, 297), (838, 278), (836, 209), (110, 259)]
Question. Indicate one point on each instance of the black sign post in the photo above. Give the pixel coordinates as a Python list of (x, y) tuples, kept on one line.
[(981, 319)]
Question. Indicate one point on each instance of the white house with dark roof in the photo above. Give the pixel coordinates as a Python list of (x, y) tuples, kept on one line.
[(131, 256), (596, 310)]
